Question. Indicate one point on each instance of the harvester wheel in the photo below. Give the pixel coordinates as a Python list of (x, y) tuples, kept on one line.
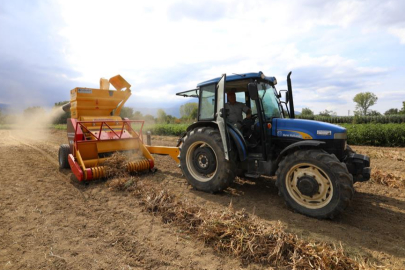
[(202, 160), (314, 183), (64, 151)]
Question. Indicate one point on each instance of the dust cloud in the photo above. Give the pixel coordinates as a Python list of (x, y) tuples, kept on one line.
[(36, 124)]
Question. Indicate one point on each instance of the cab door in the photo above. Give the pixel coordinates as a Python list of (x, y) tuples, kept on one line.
[(221, 115)]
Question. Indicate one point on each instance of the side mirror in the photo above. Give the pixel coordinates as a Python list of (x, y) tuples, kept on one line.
[(280, 95), (253, 93)]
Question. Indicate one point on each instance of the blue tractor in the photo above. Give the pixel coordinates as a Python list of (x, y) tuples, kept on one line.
[(315, 167)]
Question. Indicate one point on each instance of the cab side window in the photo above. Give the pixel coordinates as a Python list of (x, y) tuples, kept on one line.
[(207, 103)]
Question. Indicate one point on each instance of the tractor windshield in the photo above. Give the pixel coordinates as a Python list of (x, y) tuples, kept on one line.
[(270, 102)]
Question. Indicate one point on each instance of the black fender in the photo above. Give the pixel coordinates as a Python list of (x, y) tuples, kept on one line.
[(239, 141), (298, 145), (234, 133), (201, 124), (193, 126)]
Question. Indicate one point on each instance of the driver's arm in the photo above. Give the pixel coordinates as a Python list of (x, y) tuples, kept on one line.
[(248, 113), (247, 110)]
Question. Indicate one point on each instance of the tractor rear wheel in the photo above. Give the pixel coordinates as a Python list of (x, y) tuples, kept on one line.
[(202, 160), (64, 151), (314, 183)]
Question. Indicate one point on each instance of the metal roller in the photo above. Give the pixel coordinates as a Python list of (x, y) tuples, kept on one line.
[(98, 172), (140, 165)]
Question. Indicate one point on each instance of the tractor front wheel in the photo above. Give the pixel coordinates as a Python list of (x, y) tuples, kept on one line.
[(314, 183), (203, 162)]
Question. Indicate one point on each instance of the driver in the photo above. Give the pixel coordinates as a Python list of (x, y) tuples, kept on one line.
[(235, 109)]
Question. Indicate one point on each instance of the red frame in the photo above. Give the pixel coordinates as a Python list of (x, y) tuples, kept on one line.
[(77, 171), (123, 122)]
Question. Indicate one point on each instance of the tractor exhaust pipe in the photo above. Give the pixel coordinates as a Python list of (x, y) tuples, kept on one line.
[(290, 96)]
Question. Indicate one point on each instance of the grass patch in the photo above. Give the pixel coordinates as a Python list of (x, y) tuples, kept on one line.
[(59, 126)]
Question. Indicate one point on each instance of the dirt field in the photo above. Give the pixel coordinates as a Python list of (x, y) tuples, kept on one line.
[(50, 221)]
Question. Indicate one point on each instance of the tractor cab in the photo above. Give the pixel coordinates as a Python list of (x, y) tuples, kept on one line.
[(209, 96), (255, 90)]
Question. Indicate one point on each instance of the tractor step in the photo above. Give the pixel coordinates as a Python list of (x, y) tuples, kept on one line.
[(251, 175), (255, 156)]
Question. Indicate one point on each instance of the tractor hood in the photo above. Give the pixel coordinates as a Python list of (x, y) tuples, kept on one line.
[(307, 129)]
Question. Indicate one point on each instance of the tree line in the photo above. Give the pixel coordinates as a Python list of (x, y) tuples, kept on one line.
[(363, 103), (188, 113)]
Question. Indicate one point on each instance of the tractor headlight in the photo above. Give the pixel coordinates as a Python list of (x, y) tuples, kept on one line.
[(340, 136)]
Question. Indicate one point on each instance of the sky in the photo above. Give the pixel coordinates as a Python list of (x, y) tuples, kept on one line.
[(335, 49)]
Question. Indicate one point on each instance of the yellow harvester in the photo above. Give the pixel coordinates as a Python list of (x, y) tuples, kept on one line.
[(95, 131)]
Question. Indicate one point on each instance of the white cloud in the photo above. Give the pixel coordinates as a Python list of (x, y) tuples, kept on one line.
[(398, 32), (163, 47), (145, 39)]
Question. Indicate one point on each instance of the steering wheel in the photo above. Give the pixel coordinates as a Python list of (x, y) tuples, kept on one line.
[(246, 125), (253, 116)]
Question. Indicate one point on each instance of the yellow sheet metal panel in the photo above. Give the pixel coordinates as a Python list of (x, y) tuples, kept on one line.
[(114, 122), (104, 84), (119, 82), (88, 150), (173, 152), (81, 163), (101, 118), (117, 145), (93, 162), (146, 152), (96, 102), (73, 112)]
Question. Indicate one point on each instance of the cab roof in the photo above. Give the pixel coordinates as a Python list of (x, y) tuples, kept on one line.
[(235, 77), (230, 78)]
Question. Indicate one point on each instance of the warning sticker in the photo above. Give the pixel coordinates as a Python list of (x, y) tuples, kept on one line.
[(84, 91)]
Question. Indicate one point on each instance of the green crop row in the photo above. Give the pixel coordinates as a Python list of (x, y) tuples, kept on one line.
[(357, 119), (166, 129), (156, 129), (389, 135)]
